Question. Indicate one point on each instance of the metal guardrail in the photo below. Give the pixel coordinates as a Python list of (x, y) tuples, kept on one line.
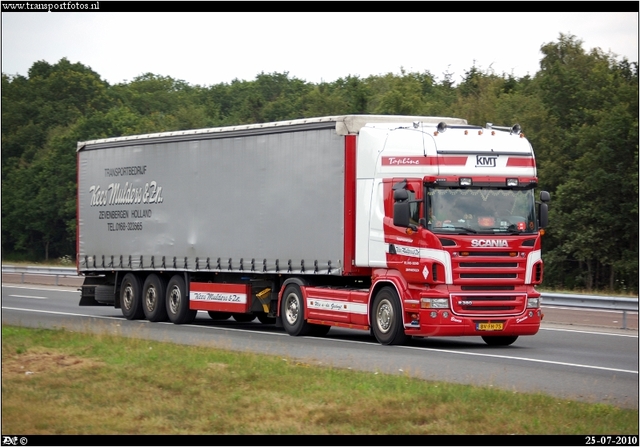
[(621, 304), (616, 303), (37, 270), (591, 301), (58, 272)]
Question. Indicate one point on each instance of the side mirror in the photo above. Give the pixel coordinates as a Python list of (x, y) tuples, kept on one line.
[(400, 194), (545, 197), (543, 214), (401, 214), (401, 206)]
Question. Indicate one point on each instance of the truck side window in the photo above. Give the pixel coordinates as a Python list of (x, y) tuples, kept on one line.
[(414, 207)]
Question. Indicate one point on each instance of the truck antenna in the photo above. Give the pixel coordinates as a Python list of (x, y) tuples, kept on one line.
[(415, 126)]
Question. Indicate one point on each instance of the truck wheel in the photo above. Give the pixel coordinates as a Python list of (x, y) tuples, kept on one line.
[(219, 315), (178, 302), (243, 318), (386, 315), (292, 311), (153, 297), (131, 297), (501, 340)]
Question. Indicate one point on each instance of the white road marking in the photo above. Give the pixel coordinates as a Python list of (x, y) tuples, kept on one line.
[(448, 351), (30, 296)]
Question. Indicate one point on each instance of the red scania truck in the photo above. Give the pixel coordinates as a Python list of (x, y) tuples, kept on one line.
[(398, 225)]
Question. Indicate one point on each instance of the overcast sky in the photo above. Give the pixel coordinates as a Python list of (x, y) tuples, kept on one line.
[(210, 48)]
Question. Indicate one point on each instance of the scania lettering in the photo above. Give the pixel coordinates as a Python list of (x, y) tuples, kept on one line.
[(404, 226), (489, 243)]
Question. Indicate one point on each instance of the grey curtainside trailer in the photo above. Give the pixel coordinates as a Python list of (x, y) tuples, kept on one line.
[(246, 200)]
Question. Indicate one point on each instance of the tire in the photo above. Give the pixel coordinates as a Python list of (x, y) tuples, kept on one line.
[(292, 311), (219, 315), (266, 319), (501, 340), (131, 297), (178, 302), (154, 293), (243, 318), (386, 318)]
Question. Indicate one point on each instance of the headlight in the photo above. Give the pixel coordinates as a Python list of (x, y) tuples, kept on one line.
[(533, 303), (434, 303)]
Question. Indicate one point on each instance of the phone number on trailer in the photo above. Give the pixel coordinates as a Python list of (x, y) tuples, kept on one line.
[(124, 226)]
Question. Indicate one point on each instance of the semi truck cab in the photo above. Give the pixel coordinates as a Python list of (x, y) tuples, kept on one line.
[(458, 230)]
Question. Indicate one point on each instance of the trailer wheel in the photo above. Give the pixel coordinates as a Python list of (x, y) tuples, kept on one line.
[(153, 298), (219, 315), (178, 302), (292, 311), (387, 322), (501, 340), (131, 297)]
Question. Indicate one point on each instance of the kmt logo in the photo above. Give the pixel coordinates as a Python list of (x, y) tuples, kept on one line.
[(483, 161)]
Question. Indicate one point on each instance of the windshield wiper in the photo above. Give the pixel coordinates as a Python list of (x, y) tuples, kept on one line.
[(451, 227), (505, 231)]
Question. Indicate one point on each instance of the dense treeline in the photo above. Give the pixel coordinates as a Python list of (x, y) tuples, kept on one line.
[(580, 112)]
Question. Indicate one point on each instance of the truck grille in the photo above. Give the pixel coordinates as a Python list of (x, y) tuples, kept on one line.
[(487, 275), (474, 267), (488, 304), (487, 280), (506, 265)]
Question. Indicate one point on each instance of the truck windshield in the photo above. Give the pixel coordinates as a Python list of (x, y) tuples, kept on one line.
[(481, 210)]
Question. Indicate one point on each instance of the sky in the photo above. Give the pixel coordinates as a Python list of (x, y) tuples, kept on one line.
[(207, 48)]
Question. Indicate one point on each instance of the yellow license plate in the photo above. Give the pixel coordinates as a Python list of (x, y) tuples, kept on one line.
[(490, 326)]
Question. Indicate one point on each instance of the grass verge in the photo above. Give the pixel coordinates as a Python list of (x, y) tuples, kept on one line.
[(61, 382)]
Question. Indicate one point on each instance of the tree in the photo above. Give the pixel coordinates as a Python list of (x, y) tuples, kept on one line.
[(38, 178), (592, 163), (400, 95), (580, 112)]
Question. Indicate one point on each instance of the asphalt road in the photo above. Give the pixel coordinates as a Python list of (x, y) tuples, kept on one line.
[(566, 360)]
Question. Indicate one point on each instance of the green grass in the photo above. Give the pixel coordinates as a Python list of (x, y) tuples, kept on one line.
[(61, 382)]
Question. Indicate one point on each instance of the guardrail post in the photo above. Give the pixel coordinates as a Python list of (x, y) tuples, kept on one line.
[(624, 319)]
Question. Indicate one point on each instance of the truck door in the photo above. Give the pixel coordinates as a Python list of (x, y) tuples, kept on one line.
[(403, 252)]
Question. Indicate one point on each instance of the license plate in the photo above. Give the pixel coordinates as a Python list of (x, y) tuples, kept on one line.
[(490, 326)]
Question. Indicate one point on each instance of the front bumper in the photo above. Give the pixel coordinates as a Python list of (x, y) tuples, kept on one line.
[(442, 323)]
